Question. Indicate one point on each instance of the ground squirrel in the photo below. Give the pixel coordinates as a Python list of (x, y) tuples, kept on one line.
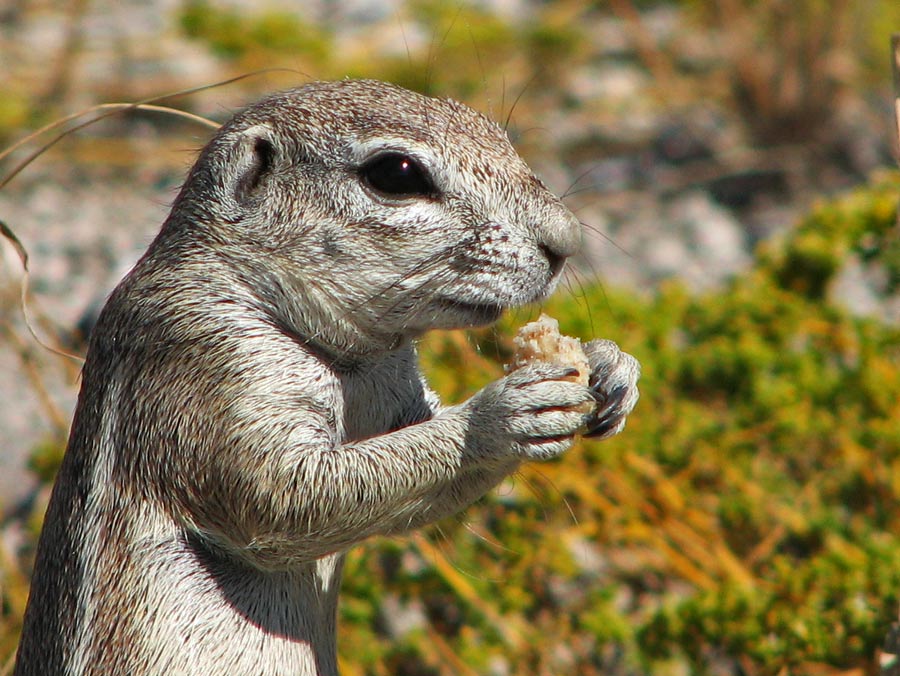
[(251, 404)]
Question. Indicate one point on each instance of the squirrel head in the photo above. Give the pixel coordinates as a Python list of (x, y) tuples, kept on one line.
[(364, 214)]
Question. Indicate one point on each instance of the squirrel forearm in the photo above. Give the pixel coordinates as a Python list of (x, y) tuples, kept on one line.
[(325, 499)]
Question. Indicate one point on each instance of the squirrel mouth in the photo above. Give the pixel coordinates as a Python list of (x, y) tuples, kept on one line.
[(475, 313)]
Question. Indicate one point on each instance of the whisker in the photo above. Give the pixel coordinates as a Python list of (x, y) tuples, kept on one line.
[(571, 189), (536, 469), (494, 544), (503, 95), (481, 69), (581, 294), (435, 47), (515, 102), (441, 548), (533, 489), (597, 231), (399, 19), (520, 133), (609, 308), (435, 261)]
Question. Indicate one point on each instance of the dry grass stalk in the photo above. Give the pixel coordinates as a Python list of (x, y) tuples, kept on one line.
[(895, 68), (787, 86)]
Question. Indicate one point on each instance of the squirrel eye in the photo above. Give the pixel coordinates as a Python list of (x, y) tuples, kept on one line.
[(397, 175)]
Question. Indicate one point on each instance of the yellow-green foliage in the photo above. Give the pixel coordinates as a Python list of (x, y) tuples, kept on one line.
[(14, 111), (863, 223), (749, 514), (471, 52), (233, 34)]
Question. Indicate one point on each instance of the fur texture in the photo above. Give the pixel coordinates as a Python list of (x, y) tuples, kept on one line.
[(251, 404)]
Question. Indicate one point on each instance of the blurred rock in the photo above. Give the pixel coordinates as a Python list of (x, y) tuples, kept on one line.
[(398, 617), (689, 238), (863, 290)]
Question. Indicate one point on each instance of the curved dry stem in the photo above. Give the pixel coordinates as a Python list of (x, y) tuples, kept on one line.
[(117, 108), (10, 236), (113, 108), (108, 110), (895, 70)]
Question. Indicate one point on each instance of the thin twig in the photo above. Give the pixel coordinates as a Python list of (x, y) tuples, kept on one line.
[(58, 419), (114, 107), (107, 110), (10, 236)]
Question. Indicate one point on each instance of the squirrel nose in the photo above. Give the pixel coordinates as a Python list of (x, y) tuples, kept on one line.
[(560, 236)]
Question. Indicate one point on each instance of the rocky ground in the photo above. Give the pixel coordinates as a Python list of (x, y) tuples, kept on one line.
[(663, 192)]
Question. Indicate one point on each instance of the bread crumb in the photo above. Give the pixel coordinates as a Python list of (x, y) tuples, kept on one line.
[(541, 341)]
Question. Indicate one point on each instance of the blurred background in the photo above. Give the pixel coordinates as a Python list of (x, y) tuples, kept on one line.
[(733, 162)]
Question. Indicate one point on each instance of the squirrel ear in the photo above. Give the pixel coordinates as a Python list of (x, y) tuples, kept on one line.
[(254, 155)]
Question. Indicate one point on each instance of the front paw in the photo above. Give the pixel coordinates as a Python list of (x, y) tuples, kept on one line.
[(533, 413), (613, 381)]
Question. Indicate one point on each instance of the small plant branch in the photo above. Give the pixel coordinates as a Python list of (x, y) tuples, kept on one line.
[(7, 233), (650, 53), (58, 419)]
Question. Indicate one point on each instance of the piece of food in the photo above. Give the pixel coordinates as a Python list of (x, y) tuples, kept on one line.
[(541, 341)]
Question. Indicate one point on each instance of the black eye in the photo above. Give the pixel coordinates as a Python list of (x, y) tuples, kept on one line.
[(397, 175)]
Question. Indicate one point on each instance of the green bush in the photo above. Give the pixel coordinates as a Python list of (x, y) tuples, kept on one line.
[(862, 223)]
